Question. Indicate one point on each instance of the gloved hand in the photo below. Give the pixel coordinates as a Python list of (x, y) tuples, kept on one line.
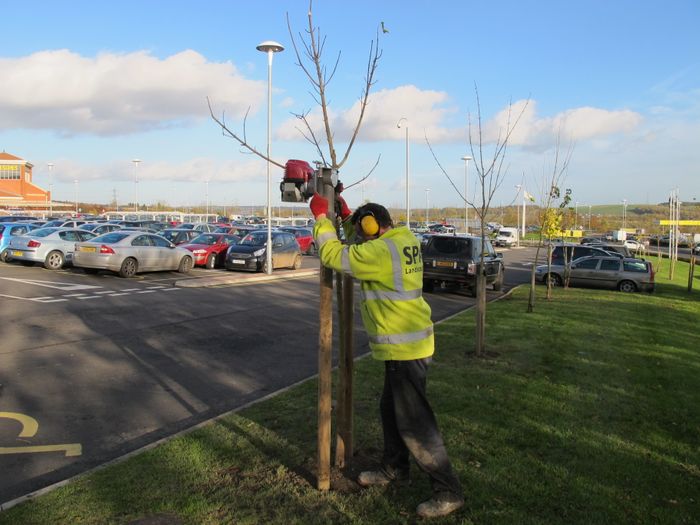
[(345, 210), (318, 205)]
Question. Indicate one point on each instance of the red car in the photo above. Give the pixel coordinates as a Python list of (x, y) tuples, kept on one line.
[(209, 249), (304, 237)]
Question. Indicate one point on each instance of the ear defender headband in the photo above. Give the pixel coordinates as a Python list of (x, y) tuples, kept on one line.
[(368, 223)]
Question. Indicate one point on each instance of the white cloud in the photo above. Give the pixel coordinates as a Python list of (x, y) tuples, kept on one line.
[(425, 111), (577, 124), (428, 111), (115, 94)]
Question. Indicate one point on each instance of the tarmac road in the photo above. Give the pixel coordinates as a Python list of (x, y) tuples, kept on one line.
[(95, 367)]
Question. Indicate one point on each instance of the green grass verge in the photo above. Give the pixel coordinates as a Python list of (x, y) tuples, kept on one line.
[(586, 411)]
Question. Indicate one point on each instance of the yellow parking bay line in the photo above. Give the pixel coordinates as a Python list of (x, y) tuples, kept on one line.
[(71, 449), (29, 424)]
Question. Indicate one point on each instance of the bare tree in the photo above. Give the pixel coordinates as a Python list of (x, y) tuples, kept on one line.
[(490, 170), (549, 217)]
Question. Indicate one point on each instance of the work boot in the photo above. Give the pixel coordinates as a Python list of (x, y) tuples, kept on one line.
[(440, 505), (381, 477)]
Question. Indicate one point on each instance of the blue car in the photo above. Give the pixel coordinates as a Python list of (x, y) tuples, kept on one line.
[(9, 230)]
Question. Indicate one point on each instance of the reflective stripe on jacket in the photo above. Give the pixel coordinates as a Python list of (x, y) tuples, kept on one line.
[(390, 271)]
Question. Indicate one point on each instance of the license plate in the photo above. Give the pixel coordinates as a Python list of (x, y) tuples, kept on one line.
[(446, 264), (87, 249), (237, 261), (17, 254)]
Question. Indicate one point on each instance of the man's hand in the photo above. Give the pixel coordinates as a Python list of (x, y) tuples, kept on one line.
[(318, 205)]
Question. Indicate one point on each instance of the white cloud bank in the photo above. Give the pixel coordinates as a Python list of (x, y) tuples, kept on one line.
[(427, 111), (116, 94)]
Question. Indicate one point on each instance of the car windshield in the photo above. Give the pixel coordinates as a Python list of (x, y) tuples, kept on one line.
[(110, 238), (449, 246), (169, 234), (206, 239), (42, 232), (255, 239)]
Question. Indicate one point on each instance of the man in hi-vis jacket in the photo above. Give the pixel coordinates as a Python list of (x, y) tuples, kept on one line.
[(387, 261)]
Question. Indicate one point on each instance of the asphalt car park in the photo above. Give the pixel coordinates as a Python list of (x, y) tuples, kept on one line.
[(95, 366)]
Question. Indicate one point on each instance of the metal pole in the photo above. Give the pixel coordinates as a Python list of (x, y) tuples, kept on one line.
[(50, 189), (408, 184), (136, 186), (427, 207)]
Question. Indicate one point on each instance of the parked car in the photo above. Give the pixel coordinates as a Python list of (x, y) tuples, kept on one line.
[(53, 247), (131, 252), (591, 240), (98, 228), (179, 236), (625, 275), (635, 246), (304, 237), (237, 229), (10, 230), (575, 251), (199, 226), (506, 237), (209, 249), (251, 252), (16, 218), (451, 259), (614, 248)]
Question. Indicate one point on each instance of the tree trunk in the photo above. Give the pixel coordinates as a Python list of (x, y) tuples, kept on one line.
[(480, 338)]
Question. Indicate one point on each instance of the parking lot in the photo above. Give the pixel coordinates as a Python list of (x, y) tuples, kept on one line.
[(97, 366)]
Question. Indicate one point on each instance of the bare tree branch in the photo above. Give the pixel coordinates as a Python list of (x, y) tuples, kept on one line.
[(242, 141), (366, 176)]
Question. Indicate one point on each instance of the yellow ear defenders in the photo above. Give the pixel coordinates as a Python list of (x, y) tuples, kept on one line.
[(369, 224)]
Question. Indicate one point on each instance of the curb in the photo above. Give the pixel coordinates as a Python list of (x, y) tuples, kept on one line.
[(243, 278)]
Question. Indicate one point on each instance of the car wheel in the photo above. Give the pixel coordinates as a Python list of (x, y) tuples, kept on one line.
[(5, 255), (297, 262), (428, 285), (211, 261), (554, 279), (263, 266), (498, 283), (129, 268), (185, 265), (312, 249), (54, 260), (627, 286)]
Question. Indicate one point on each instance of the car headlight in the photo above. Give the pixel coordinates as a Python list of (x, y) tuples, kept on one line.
[(259, 252)]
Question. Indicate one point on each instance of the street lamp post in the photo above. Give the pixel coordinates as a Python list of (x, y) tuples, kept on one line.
[(76, 196), (466, 160), (136, 185), (518, 187), (589, 217), (624, 214), (576, 216), (427, 207), (408, 186), (50, 165), (270, 47), (206, 199)]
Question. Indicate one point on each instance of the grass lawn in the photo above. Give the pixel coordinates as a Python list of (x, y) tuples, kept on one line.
[(586, 411)]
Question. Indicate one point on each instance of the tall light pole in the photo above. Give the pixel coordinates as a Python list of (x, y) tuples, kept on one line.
[(576, 216), (136, 185), (624, 214), (50, 165), (589, 217), (270, 47), (518, 187), (427, 206), (408, 186), (466, 160), (76, 196)]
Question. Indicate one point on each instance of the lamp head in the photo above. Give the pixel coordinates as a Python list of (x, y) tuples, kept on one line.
[(270, 45), (466, 157)]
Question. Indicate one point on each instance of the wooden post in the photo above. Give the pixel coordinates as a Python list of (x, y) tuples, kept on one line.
[(691, 272), (344, 434), (325, 349)]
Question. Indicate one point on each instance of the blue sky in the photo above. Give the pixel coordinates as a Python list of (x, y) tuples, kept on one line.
[(89, 86)]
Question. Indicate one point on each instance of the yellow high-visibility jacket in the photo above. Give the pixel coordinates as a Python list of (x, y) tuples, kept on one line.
[(390, 271)]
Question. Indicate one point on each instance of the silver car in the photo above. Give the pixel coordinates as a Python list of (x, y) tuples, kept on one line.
[(625, 275), (130, 252), (53, 247)]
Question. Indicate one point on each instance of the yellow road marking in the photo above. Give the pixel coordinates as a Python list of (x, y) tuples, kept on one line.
[(71, 449), (29, 424)]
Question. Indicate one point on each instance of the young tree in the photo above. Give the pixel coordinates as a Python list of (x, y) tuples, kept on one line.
[(490, 171)]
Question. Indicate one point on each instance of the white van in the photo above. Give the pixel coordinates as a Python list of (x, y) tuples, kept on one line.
[(506, 237)]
